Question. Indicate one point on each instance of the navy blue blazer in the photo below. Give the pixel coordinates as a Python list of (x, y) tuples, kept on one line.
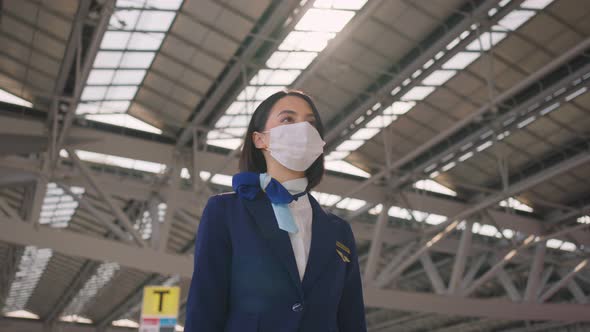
[(245, 276)]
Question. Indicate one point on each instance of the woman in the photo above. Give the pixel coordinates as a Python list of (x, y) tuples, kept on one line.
[(268, 258)]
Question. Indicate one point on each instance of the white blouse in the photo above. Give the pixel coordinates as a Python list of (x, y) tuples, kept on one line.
[(302, 215)]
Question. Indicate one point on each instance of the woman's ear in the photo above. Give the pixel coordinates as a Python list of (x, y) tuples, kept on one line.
[(259, 140)]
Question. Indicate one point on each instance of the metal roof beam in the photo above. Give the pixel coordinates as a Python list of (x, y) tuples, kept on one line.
[(459, 306)]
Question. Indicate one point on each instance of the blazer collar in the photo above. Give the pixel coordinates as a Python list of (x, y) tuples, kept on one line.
[(322, 239)]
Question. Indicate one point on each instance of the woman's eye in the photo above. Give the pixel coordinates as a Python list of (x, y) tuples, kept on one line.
[(287, 119)]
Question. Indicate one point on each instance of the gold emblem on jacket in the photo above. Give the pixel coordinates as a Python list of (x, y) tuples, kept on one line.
[(340, 249)]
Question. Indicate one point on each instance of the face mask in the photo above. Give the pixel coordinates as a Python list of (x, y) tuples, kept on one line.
[(295, 146)]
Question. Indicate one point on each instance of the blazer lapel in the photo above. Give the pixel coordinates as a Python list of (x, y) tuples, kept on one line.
[(261, 211), (322, 248)]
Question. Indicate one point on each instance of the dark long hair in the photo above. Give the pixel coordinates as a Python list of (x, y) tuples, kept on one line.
[(252, 159)]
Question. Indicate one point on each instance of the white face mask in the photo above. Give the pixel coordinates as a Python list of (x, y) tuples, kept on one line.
[(296, 146)]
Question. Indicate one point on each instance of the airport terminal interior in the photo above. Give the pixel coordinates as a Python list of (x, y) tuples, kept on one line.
[(457, 148)]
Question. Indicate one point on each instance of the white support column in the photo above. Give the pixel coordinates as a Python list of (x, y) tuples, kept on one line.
[(432, 272), (106, 197), (460, 258), (508, 285), (534, 279), (376, 245)]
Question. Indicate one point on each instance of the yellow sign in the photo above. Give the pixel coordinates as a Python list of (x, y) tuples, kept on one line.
[(160, 301)]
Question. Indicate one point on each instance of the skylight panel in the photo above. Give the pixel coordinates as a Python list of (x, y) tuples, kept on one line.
[(398, 212), (30, 269), (337, 155), (365, 134), (351, 204), (325, 198), (439, 77), (117, 161), (103, 275), (561, 245), (344, 167), (484, 146), (376, 209), (124, 120), (274, 77), (58, 207), (241, 107), (536, 4), (461, 60), (100, 77), (155, 20), (93, 93), (116, 40), (418, 93), (137, 59), (400, 108), (435, 219), (515, 19), (515, 204), (124, 19), (227, 143), (8, 97), (350, 145), (146, 41), (222, 179), (107, 59), (21, 314), (324, 20), (306, 41), (121, 92), (128, 76), (485, 37), (258, 93), (290, 60), (381, 121), (75, 319), (434, 186), (125, 323)]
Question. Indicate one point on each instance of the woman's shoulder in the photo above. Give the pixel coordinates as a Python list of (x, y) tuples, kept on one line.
[(223, 197)]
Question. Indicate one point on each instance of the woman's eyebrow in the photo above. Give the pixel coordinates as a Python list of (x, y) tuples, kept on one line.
[(286, 111)]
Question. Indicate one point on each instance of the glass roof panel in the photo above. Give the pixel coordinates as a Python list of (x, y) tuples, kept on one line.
[(146, 41), (100, 77), (107, 59), (324, 20), (128, 76), (121, 92), (132, 59), (155, 20), (115, 40)]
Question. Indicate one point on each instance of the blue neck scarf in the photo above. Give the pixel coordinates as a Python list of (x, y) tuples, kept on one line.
[(248, 184)]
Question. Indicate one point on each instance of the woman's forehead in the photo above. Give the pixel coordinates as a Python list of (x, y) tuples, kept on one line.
[(292, 103)]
